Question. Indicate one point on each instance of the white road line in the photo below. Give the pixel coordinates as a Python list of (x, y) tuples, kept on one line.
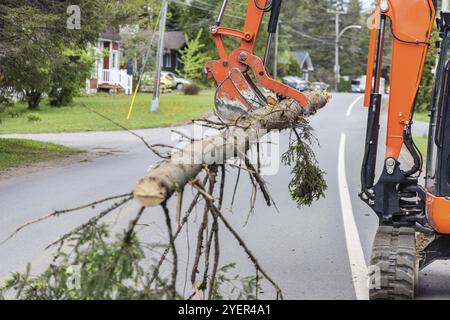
[(350, 109), (355, 252)]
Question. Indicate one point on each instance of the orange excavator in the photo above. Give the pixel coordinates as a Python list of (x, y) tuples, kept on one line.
[(414, 220)]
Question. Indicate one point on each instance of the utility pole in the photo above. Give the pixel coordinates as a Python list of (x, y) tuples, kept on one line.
[(159, 57), (275, 63), (339, 34), (337, 67)]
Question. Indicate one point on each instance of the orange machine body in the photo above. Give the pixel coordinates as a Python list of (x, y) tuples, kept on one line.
[(438, 213), (411, 23), (230, 72)]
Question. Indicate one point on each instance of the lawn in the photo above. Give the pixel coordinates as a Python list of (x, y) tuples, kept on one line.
[(175, 108), (19, 152), (423, 116), (422, 144)]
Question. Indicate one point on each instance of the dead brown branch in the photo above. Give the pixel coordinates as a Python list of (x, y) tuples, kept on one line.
[(241, 242)]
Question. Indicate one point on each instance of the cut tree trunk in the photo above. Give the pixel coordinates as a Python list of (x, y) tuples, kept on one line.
[(184, 166)]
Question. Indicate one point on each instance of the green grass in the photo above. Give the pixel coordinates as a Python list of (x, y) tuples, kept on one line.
[(175, 108), (422, 116), (422, 144), (20, 152)]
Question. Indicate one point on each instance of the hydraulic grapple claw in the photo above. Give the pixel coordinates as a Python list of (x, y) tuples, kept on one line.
[(236, 93)]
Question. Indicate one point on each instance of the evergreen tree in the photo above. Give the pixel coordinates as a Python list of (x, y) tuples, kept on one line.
[(311, 28), (426, 86), (193, 59), (199, 15)]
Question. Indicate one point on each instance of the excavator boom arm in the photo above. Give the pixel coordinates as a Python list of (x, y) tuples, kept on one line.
[(411, 26), (411, 23)]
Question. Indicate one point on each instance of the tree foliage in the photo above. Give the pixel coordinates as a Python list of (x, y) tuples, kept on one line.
[(193, 59), (33, 51), (112, 269), (139, 43), (200, 14), (70, 71), (92, 264), (426, 86), (311, 29), (35, 54), (308, 183)]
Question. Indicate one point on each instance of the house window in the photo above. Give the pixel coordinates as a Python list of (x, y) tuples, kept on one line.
[(167, 60), (106, 45)]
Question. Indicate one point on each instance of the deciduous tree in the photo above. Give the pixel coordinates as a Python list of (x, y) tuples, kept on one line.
[(36, 35)]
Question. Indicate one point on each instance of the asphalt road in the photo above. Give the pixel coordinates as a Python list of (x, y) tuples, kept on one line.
[(313, 253)]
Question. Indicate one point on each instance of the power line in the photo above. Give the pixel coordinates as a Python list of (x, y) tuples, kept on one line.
[(206, 10), (323, 41)]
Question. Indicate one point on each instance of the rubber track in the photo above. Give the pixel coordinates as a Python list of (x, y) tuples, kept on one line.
[(394, 255)]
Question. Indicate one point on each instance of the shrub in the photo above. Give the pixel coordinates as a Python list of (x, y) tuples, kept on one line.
[(61, 96), (191, 90), (345, 86), (13, 112), (34, 117), (193, 57)]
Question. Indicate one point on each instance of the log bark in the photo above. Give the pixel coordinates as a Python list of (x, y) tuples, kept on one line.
[(184, 166)]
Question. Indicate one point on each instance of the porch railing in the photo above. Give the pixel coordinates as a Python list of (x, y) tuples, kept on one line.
[(117, 78)]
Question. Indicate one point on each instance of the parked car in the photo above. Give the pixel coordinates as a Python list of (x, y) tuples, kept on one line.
[(296, 83), (148, 82), (169, 80), (176, 79), (319, 86)]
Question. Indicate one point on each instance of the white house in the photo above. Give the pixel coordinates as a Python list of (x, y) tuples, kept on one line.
[(107, 74)]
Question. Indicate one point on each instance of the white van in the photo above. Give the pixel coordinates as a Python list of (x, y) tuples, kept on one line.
[(359, 85)]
